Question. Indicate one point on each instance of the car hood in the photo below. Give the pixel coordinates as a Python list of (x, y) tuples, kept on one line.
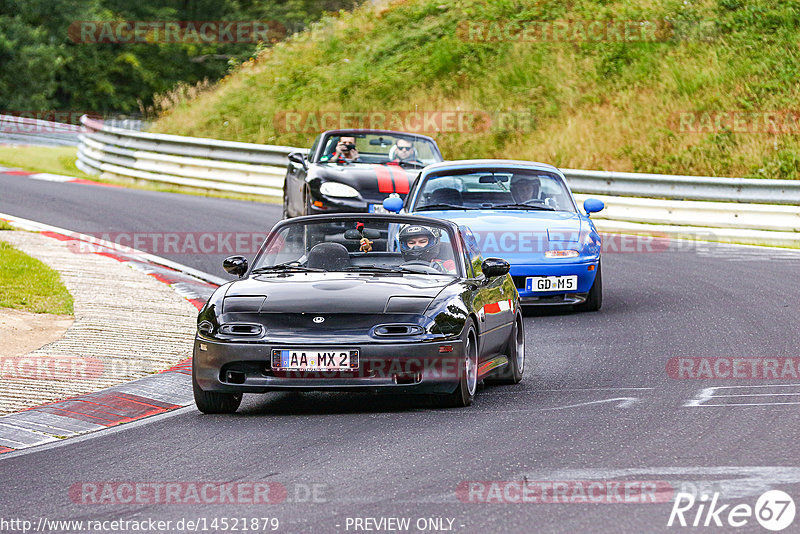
[(374, 182), (519, 236), (334, 293)]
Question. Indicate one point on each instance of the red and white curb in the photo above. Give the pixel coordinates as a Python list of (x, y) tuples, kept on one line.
[(151, 395), (47, 177)]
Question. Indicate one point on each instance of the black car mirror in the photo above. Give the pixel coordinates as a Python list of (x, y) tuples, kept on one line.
[(298, 159), (493, 267), (236, 265)]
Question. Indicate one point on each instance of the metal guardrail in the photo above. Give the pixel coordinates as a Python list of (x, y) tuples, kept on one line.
[(186, 161), (760, 211), (750, 190), (30, 131), (15, 129)]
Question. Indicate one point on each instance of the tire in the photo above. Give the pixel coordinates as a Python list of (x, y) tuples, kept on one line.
[(512, 373), (215, 402), (468, 374), (594, 300)]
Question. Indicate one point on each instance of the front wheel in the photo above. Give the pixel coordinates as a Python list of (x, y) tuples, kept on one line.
[(512, 372), (594, 300), (215, 402), (467, 375)]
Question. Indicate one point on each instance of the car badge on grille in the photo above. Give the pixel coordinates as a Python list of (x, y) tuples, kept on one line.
[(319, 320)]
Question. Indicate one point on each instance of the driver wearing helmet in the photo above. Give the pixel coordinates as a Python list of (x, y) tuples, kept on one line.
[(524, 188), (418, 243)]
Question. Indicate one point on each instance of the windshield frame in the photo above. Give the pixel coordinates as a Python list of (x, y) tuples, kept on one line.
[(412, 137), (453, 235), (422, 181)]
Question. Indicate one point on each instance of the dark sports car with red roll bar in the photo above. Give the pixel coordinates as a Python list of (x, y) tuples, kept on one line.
[(322, 181)]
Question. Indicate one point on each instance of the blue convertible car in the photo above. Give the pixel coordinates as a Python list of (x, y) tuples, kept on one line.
[(522, 212)]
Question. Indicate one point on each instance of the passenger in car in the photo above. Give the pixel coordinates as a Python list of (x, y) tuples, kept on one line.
[(346, 151)]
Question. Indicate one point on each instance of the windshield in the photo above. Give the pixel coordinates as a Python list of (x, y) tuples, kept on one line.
[(492, 188), (385, 148), (360, 245)]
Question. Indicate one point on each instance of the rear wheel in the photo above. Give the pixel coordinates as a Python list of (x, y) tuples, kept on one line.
[(512, 373), (215, 402), (468, 374), (594, 300)]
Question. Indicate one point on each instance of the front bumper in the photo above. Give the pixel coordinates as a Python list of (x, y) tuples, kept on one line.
[(576, 296), (322, 204), (389, 367)]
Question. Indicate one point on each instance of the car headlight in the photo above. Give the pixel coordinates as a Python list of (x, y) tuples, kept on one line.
[(336, 189), (561, 254)]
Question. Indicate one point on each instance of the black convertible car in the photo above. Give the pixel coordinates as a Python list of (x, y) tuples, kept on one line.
[(392, 303), (354, 171)]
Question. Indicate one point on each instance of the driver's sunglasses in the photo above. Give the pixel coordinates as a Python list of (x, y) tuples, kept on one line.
[(404, 148)]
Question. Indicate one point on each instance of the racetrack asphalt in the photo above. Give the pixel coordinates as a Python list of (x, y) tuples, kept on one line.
[(597, 404)]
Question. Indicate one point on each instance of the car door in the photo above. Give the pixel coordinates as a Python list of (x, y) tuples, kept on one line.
[(494, 300)]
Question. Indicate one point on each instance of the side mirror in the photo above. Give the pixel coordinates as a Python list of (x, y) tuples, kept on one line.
[(236, 265), (393, 204), (298, 159), (592, 205), (493, 267)]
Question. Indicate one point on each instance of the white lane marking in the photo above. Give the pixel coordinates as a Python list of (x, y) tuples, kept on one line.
[(624, 402), (708, 394), (46, 176), (732, 482), (729, 482)]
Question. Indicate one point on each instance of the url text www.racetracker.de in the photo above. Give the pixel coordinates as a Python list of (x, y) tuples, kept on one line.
[(195, 524)]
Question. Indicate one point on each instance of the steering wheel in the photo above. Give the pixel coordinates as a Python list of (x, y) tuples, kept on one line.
[(537, 201), (421, 263)]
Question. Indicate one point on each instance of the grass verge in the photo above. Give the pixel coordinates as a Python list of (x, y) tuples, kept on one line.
[(54, 160), (30, 285)]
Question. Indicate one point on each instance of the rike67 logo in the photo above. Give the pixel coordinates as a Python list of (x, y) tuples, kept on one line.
[(774, 510)]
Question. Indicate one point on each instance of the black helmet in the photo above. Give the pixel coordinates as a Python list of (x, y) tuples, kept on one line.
[(426, 253)]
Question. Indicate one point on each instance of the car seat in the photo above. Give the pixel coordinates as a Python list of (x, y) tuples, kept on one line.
[(328, 256), (446, 195)]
